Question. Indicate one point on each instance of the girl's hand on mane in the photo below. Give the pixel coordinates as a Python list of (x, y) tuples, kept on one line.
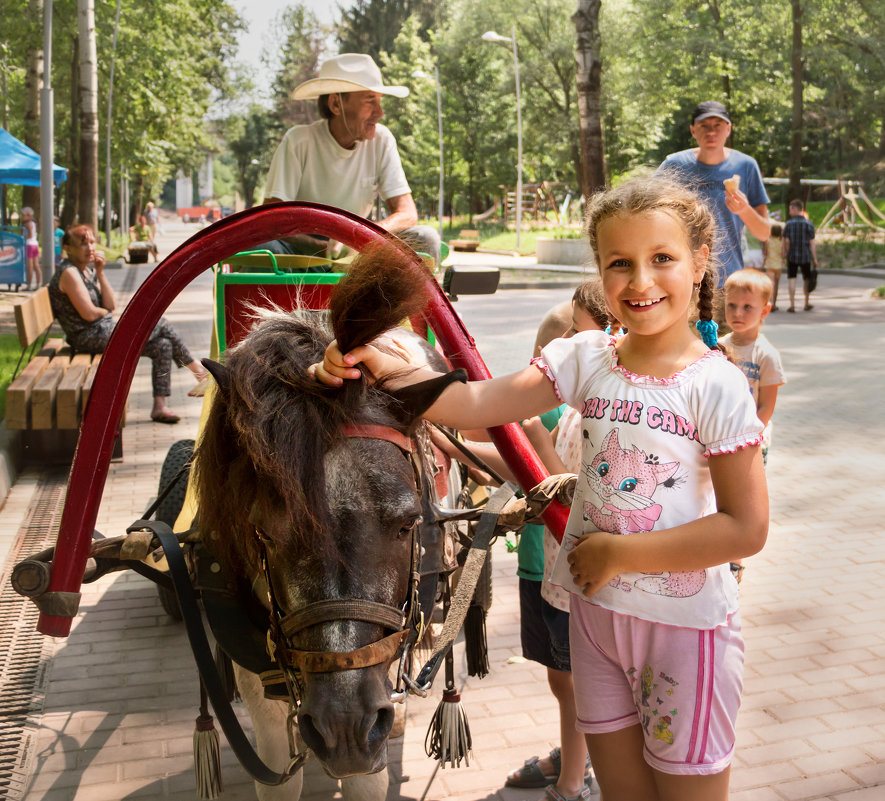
[(337, 366)]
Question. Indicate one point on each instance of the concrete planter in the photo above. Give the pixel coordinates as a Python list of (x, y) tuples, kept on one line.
[(562, 251)]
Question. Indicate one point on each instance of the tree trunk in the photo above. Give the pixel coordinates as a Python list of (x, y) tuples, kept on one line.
[(33, 85), (716, 13), (88, 189), (589, 78), (796, 124), (70, 207)]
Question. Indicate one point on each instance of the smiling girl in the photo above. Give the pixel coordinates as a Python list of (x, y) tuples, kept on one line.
[(671, 489)]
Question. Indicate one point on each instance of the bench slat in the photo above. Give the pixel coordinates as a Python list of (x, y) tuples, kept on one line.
[(53, 347), (33, 317), (43, 396), (18, 393), (90, 378), (70, 390)]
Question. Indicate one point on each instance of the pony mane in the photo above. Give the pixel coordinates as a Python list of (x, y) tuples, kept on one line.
[(386, 284), (266, 438)]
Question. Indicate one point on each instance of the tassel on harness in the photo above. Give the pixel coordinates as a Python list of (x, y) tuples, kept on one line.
[(207, 753), (448, 735)]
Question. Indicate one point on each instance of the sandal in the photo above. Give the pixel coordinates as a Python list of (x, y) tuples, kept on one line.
[(552, 794), (531, 775), (165, 417)]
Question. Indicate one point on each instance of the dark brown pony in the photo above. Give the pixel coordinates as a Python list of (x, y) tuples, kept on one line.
[(281, 477)]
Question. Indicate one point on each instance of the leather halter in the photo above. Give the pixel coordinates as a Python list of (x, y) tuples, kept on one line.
[(402, 621)]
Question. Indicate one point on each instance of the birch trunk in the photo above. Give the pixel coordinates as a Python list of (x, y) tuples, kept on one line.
[(88, 90)]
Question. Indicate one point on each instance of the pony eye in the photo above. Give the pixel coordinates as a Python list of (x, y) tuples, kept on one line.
[(407, 527), (603, 469), (628, 485)]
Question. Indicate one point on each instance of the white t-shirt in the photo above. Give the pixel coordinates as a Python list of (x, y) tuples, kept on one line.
[(761, 364), (644, 467), (310, 165)]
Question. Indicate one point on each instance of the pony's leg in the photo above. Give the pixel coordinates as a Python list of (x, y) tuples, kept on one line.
[(372, 787), (269, 722)]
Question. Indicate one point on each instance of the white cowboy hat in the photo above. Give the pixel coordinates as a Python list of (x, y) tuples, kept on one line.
[(349, 72)]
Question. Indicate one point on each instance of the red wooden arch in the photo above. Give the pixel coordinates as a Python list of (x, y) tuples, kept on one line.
[(238, 232)]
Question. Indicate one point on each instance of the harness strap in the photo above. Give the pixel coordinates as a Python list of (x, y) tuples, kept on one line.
[(208, 670), (375, 653), (476, 556), (368, 431), (342, 609)]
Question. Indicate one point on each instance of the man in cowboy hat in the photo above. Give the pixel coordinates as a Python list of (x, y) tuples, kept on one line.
[(347, 158)]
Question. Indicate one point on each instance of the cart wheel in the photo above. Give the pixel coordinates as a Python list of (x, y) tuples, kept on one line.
[(179, 454)]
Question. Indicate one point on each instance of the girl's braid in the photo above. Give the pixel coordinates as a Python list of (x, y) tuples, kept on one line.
[(705, 324)]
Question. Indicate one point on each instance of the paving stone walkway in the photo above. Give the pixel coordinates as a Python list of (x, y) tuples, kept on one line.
[(121, 697)]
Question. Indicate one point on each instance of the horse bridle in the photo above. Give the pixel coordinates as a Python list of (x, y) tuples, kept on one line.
[(406, 621)]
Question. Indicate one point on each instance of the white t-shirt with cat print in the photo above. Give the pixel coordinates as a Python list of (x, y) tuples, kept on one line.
[(644, 467)]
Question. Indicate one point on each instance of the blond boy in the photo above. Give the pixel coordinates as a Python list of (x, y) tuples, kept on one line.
[(747, 304)]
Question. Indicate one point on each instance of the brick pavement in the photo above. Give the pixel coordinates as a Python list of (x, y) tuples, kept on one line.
[(118, 715)]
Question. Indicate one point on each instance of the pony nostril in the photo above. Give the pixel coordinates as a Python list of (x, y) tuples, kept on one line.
[(381, 728), (312, 737)]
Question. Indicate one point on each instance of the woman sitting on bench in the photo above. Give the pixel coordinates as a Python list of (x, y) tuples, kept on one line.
[(82, 301)]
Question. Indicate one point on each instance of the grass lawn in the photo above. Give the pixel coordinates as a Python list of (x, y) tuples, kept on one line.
[(10, 350)]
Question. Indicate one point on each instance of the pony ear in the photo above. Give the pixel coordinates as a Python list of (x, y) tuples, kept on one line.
[(412, 401), (219, 372)]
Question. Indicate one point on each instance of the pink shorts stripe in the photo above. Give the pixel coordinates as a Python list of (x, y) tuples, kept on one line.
[(704, 700)]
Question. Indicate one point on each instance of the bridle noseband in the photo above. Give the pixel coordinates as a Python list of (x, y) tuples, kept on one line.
[(406, 622)]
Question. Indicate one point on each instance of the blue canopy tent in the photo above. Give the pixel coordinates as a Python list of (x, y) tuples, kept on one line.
[(19, 165)]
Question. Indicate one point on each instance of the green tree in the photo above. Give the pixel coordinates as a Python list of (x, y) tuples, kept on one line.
[(479, 113), (371, 26), (413, 120), (302, 44), (171, 61), (251, 139)]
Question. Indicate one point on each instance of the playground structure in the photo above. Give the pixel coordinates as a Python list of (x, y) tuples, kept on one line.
[(540, 202), (853, 211)]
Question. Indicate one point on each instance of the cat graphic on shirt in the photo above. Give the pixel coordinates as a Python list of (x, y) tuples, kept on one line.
[(622, 483)]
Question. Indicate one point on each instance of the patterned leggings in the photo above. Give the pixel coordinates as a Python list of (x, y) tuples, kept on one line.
[(163, 347)]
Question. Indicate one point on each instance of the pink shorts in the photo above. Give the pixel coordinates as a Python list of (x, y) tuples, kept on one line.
[(32, 251), (683, 686)]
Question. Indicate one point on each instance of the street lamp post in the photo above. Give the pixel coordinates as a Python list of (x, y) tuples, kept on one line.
[(47, 150), (491, 36), (422, 74)]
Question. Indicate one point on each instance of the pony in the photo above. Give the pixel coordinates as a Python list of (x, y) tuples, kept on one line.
[(314, 496)]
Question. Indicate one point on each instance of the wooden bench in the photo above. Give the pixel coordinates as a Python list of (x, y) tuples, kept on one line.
[(468, 241), (47, 396)]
